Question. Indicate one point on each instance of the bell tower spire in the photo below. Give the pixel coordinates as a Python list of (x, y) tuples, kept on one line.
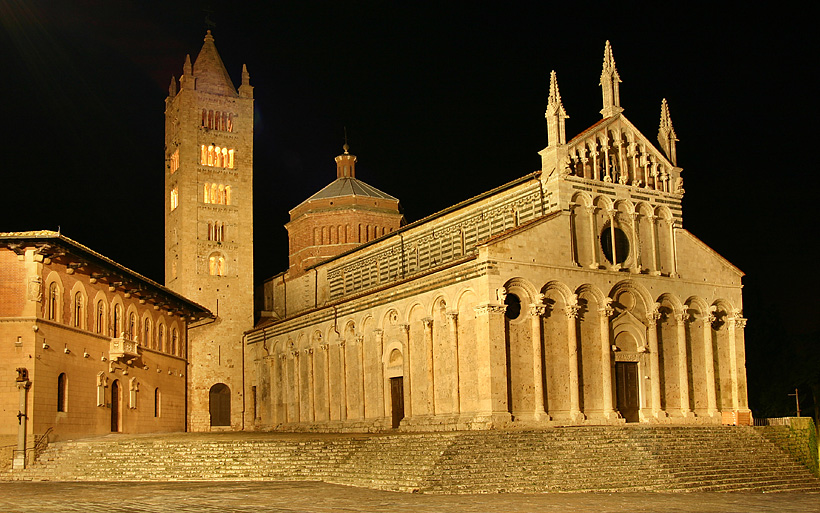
[(209, 224), (666, 134), (609, 84), (556, 130)]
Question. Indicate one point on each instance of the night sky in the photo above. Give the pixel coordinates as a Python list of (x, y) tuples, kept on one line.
[(441, 101)]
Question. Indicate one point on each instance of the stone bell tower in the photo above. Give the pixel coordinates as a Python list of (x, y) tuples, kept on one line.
[(209, 228)]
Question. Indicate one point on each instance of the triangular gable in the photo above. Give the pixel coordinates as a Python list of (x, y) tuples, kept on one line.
[(706, 247)]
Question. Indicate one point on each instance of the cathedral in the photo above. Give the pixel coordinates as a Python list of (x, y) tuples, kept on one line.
[(569, 296)]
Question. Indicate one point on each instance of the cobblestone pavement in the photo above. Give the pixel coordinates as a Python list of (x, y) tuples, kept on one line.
[(181, 497)]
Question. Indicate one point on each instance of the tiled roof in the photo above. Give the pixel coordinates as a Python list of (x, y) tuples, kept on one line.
[(347, 186)]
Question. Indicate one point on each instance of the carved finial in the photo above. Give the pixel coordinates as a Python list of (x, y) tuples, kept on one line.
[(208, 36), (187, 68), (245, 89), (666, 134), (609, 84), (346, 163), (172, 89), (556, 114), (246, 77)]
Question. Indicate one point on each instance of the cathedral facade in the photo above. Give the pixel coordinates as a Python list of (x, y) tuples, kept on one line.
[(572, 295)]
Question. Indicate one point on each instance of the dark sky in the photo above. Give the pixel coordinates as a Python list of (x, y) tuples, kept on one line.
[(441, 101)]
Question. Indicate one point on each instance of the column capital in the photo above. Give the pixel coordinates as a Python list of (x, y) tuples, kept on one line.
[(738, 321), (309, 350), (606, 310), (537, 309), (490, 308), (295, 353), (323, 347), (428, 322), (283, 356), (571, 310), (341, 343), (404, 327), (682, 318), (653, 315), (452, 316), (378, 332)]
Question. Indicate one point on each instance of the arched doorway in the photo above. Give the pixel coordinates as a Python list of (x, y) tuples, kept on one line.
[(220, 405), (115, 406)]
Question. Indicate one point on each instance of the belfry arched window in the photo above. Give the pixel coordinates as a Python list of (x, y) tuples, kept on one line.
[(216, 264)]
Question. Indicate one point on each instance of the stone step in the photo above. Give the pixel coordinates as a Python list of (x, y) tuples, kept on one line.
[(562, 459)]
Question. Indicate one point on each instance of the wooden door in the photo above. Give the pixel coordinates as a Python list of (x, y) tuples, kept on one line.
[(397, 400), (626, 379), (115, 406), (220, 405)]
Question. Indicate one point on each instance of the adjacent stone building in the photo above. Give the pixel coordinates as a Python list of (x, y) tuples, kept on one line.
[(96, 347), (572, 295)]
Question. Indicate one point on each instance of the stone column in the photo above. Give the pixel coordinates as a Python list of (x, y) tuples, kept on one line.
[(311, 413), (683, 365), (492, 367), (612, 213), (360, 356), (652, 318), (573, 235), (343, 380), (571, 311), (735, 324), (326, 349), (593, 237), (656, 271), (380, 380), (297, 385), (23, 384), (708, 354), (604, 313), (287, 397), (431, 375), (408, 399), (740, 357), (452, 319), (673, 261), (636, 244), (536, 311)]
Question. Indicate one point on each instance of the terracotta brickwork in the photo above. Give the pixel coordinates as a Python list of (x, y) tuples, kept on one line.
[(105, 349)]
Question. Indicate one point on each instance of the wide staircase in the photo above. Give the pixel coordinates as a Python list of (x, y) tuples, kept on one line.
[(551, 460)]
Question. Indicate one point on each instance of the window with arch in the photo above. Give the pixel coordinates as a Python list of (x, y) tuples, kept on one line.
[(53, 301), (62, 392), (161, 337), (216, 231), (146, 338), (216, 194), (216, 156), (117, 320), (100, 317), (174, 198), (216, 265), (78, 309), (217, 120), (133, 330), (174, 341), (173, 161)]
